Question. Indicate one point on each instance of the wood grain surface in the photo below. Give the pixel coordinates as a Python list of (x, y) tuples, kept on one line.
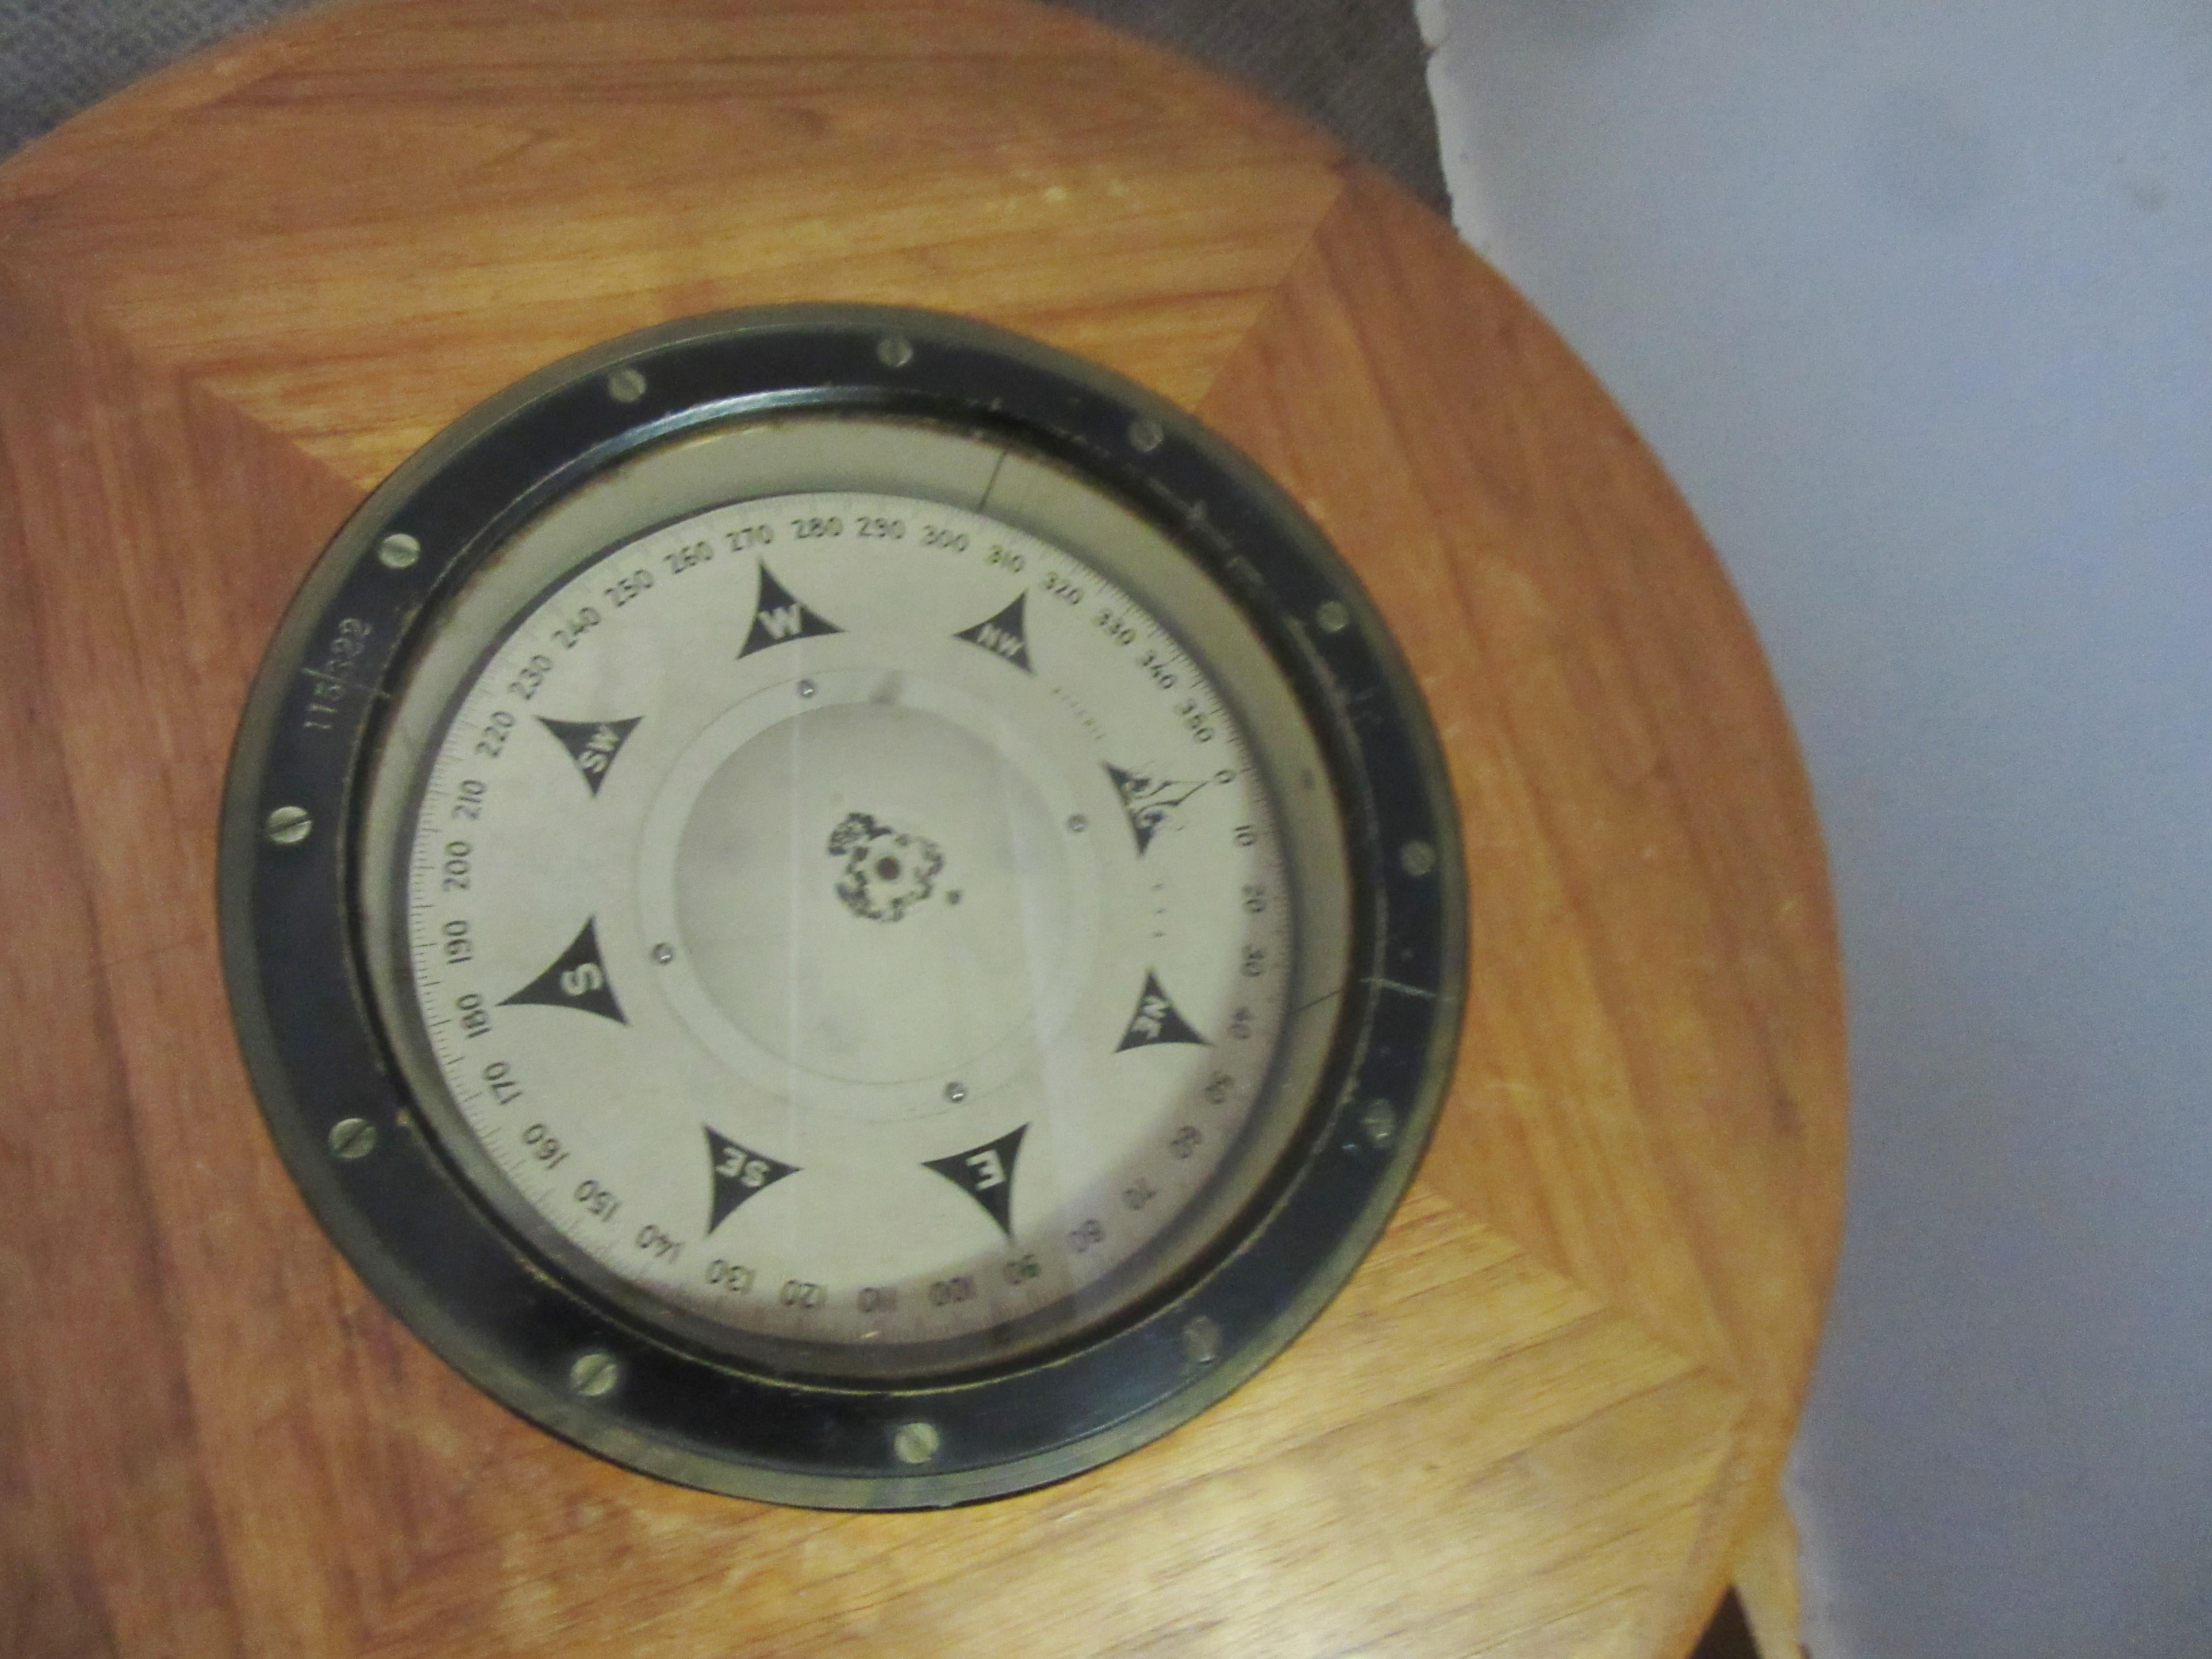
[(231, 301)]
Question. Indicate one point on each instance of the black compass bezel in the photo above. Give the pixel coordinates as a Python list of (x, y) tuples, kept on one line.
[(512, 1322)]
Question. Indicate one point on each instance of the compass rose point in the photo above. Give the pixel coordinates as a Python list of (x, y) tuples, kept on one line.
[(1150, 803), (1004, 635), (780, 618), (739, 1173), (577, 979), (591, 744), (986, 1174), (1157, 1020)]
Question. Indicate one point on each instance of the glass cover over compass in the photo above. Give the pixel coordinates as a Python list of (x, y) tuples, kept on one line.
[(863, 893)]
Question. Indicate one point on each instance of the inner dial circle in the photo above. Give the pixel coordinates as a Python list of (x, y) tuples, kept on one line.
[(875, 892), (846, 920), (908, 954)]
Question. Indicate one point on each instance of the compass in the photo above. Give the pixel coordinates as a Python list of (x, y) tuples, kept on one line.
[(838, 906)]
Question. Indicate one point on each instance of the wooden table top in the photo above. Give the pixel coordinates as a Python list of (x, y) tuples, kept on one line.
[(234, 298)]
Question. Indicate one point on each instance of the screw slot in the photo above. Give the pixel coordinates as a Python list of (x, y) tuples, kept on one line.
[(352, 1138), (625, 385), (288, 826), (917, 1442), (397, 551), (594, 1373)]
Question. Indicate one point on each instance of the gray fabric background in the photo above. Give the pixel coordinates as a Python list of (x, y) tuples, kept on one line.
[(1355, 66)]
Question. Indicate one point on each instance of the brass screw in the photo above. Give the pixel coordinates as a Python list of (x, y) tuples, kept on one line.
[(595, 1373), (916, 1441), (352, 1138)]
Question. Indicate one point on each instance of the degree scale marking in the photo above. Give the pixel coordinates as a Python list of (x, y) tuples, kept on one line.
[(1155, 1176)]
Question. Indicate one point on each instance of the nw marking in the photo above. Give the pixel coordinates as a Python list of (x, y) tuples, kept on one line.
[(1003, 635)]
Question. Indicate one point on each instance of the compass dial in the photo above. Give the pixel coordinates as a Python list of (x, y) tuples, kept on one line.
[(838, 906), (850, 919)]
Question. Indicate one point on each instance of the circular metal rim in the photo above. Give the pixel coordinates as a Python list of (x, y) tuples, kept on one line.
[(566, 1361)]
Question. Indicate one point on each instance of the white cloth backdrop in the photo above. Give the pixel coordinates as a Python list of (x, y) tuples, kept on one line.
[(1915, 301)]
